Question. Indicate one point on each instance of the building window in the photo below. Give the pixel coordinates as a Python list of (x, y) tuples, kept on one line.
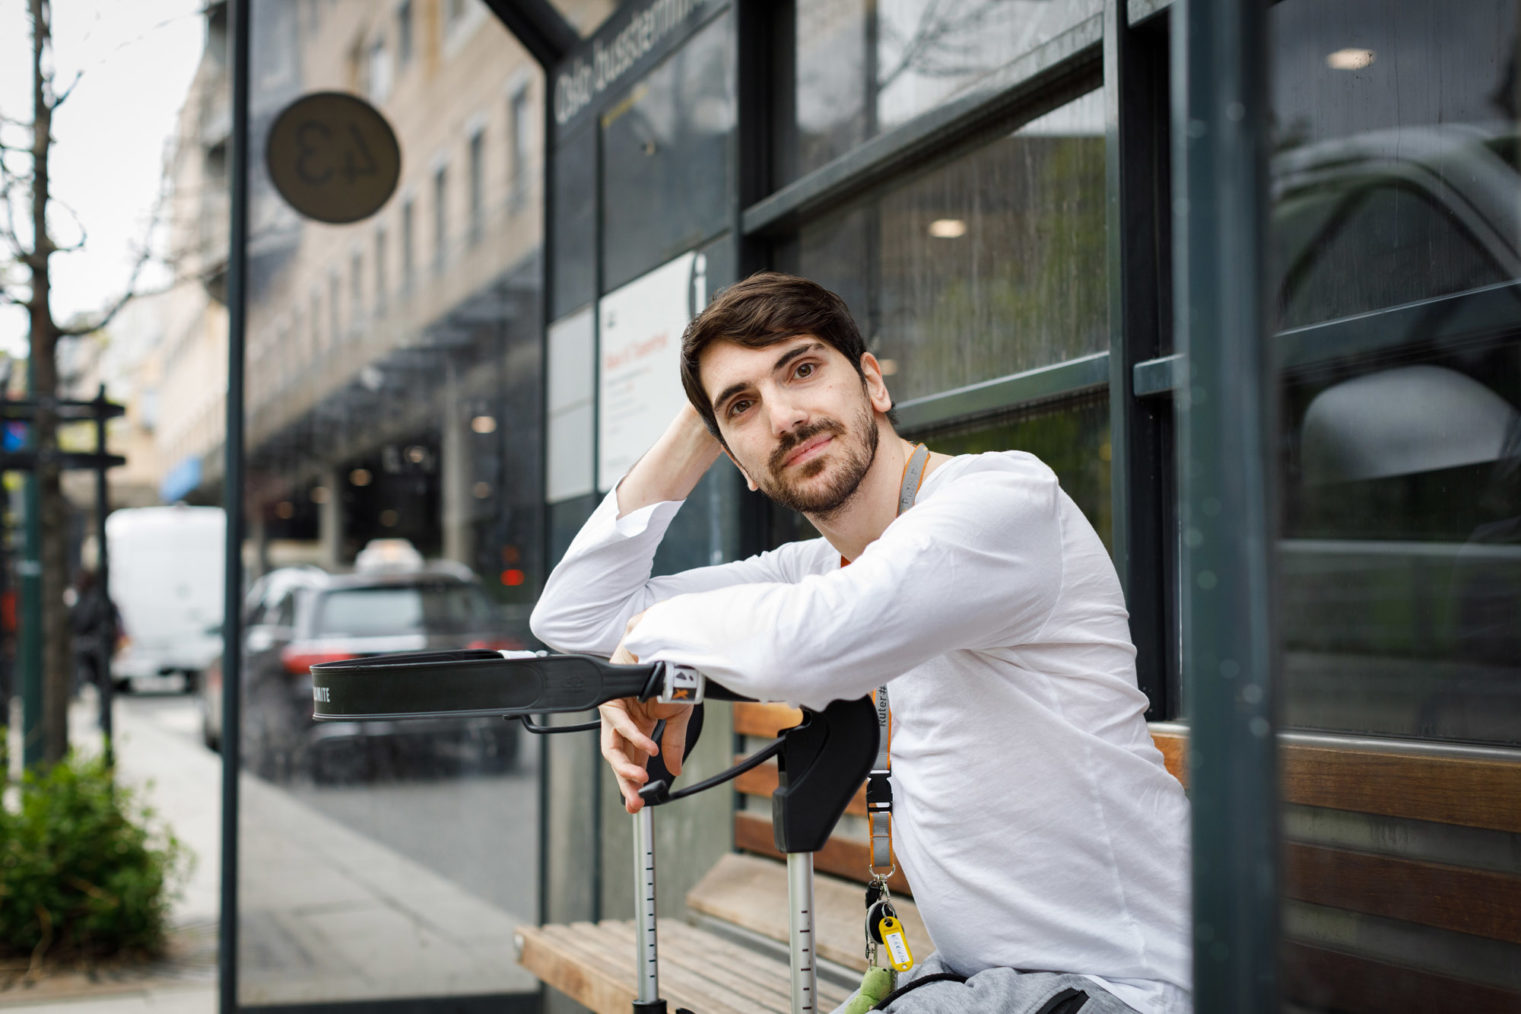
[(403, 34), (378, 71), (477, 184), (314, 325), (461, 19), (333, 295), (356, 288), (408, 241), (520, 141), (380, 271), (440, 216)]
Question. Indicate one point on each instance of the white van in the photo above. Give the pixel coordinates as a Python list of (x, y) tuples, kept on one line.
[(167, 567)]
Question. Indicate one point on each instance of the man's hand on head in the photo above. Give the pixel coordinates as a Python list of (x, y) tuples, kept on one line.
[(627, 725)]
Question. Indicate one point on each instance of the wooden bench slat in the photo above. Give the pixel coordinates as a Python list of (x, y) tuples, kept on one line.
[(573, 971), (840, 856), (1479, 902), (751, 893), (1335, 980), (1447, 790), (1419, 786), (751, 719), (697, 953), (594, 965), (762, 781)]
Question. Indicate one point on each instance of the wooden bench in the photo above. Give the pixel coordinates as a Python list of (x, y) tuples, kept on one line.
[(732, 956), (1369, 923), (1350, 898)]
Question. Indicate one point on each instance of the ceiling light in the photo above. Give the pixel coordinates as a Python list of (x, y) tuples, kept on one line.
[(1349, 59), (360, 477), (319, 494), (483, 424), (947, 228)]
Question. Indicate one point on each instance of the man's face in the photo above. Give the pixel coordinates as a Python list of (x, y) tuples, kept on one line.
[(797, 418)]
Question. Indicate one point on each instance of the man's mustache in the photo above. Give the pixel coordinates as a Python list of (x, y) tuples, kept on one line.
[(797, 438)]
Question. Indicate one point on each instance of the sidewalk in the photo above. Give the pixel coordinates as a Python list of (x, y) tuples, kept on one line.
[(327, 913)]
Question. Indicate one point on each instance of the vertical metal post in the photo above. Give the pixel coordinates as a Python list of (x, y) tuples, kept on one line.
[(1226, 425), (103, 582), (647, 957), (232, 487), (800, 931), (29, 653), (1141, 477)]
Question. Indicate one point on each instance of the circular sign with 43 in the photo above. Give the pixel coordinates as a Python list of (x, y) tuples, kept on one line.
[(333, 157)]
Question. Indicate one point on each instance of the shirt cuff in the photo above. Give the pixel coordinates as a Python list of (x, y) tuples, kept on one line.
[(635, 522)]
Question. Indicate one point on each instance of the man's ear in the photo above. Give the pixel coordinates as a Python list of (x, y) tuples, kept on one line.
[(730, 455), (876, 387)]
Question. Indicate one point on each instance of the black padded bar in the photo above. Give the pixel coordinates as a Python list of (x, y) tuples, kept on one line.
[(432, 684), (471, 682)]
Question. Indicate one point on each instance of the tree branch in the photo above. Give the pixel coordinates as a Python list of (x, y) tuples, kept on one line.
[(59, 98), (83, 232)]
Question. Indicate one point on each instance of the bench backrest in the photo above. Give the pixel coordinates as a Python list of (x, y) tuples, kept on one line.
[(1399, 865)]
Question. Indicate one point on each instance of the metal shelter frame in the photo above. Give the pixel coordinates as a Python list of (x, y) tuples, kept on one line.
[(1185, 114)]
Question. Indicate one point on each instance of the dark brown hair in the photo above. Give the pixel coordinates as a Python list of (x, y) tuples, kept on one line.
[(766, 308)]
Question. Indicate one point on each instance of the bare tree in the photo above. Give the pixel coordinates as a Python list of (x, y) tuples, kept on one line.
[(30, 243)]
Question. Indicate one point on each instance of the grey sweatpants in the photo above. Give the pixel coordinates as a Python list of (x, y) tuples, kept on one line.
[(1003, 991)]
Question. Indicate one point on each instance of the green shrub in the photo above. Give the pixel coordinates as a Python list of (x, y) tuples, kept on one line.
[(81, 875)]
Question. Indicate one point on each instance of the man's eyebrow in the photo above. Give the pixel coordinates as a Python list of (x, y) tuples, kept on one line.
[(783, 360), (793, 353)]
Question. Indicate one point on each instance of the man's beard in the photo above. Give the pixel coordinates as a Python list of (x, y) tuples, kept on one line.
[(836, 493)]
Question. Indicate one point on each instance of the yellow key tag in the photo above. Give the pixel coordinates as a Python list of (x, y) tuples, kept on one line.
[(897, 943)]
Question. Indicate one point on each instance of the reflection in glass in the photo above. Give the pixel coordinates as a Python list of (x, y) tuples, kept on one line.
[(394, 502), (1395, 183), (1394, 167), (864, 67), (667, 158), (986, 266), (1072, 438)]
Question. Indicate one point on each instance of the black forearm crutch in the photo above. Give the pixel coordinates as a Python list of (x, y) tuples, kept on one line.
[(820, 762)]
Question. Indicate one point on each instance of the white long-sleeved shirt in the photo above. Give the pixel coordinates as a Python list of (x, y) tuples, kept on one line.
[(1032, 812)]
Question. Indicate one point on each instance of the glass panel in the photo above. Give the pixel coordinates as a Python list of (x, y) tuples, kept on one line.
[(667, 157), (1394, 168), (1400, 491), (866, 66), (1073, 438), (394, 497), (1395, 185), (986, 266), (573, 182)]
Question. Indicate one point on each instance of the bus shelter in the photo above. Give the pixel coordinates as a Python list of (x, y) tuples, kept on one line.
[(1244, 275)]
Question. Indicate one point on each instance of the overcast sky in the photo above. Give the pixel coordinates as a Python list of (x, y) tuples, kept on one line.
[(137, 58)]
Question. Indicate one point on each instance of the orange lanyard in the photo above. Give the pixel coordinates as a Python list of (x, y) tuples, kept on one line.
[(879, 790)]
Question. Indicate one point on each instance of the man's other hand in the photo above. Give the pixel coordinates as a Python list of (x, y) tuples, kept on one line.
[(627, 725)]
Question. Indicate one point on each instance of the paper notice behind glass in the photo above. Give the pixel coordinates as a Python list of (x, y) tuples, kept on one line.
[(639, 342)]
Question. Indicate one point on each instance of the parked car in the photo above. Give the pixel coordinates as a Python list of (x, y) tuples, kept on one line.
[(297, 617)]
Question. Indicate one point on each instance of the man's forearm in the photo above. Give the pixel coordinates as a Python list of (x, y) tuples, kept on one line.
[(673, 467)]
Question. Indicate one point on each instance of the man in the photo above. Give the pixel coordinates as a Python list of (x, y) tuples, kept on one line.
[(1033, 815)]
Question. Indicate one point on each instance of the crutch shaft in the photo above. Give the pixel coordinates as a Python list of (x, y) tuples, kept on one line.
[(800, 931)]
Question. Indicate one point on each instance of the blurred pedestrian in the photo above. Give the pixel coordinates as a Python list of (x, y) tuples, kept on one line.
[(95, 623)]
